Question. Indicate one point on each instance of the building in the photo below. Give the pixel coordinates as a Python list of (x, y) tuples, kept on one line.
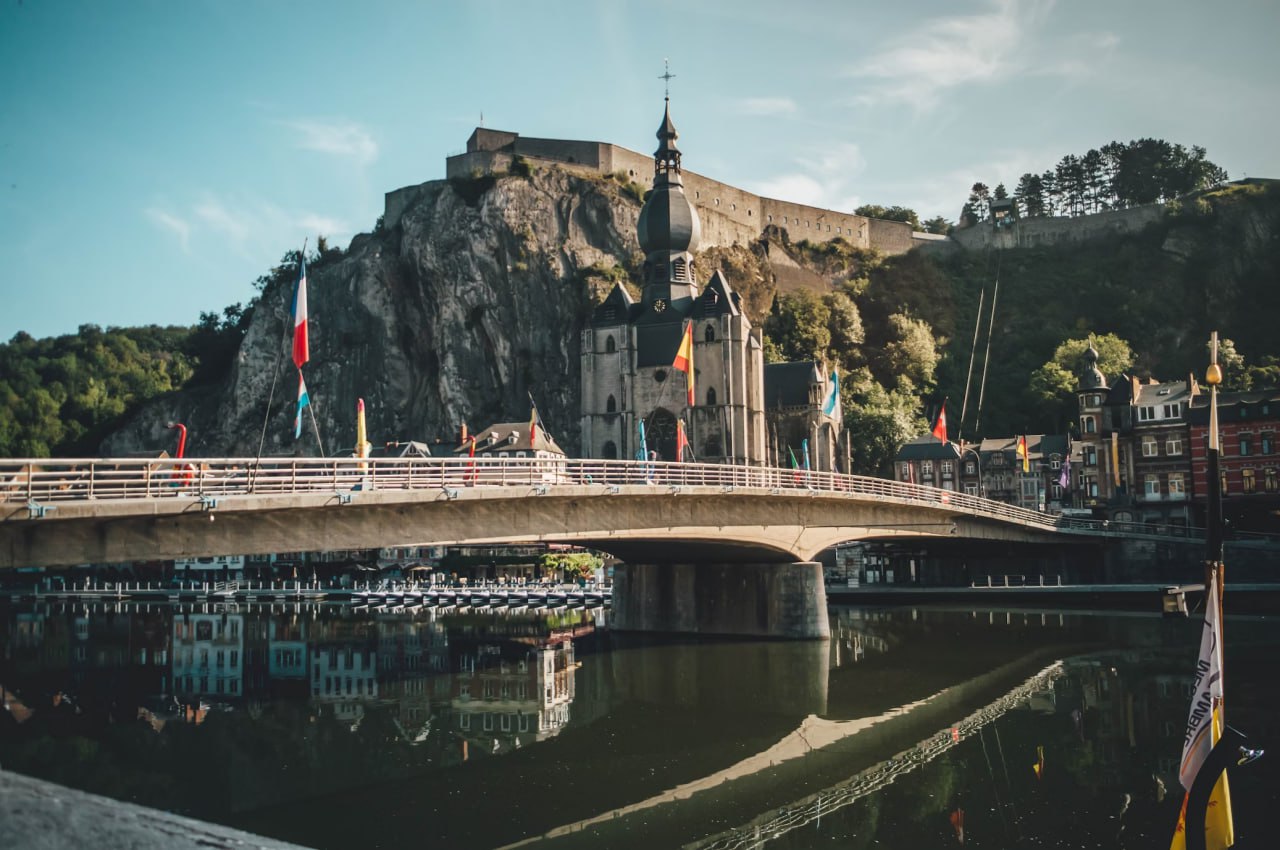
[(629, 347), (929, 461), (1248, 460), (1003, 478), (1134, 458), (511, 439)]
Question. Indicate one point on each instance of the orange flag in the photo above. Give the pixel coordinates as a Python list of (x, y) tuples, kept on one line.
[(684, 359)]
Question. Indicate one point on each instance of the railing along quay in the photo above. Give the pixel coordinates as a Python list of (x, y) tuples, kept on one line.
[(41, 485)]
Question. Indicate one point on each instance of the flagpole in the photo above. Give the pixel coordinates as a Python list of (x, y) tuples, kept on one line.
[(275, 376)]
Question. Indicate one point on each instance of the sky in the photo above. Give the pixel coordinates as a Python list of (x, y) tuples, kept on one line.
[(157, 157)]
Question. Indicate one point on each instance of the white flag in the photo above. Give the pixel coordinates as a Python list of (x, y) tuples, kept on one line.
[(1207, 697)]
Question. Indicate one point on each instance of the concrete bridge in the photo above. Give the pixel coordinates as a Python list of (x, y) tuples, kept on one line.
[(701, 543)]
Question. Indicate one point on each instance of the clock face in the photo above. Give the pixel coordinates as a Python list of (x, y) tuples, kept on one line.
[(659, 305)]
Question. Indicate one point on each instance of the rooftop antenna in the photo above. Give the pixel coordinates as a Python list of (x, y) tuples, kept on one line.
[(481, 117), (666, 78)]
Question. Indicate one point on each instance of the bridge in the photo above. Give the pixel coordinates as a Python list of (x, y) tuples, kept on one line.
[(738, 525)]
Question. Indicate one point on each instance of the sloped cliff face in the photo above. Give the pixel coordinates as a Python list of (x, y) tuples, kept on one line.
[(475, 299)]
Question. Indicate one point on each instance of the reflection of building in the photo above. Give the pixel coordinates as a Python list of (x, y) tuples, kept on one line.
[(214, 568), (207, 654), (344, 668), (510, 694)]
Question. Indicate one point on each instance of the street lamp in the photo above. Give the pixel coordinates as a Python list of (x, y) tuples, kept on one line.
[(982, 487)]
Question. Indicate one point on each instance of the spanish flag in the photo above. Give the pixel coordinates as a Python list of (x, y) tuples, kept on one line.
[(684, 359), (1024, 454)]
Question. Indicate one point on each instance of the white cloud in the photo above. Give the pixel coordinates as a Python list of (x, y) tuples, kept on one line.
[(322, 225), (344, 139), (822, 181), (951, 51), (235, 224), (172, 223), (766, 106)]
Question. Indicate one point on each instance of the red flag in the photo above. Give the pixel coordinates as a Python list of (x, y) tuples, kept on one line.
[(1021, 451), (301, 350), (533, 423), (684, 359), (940, 427), (682, 440)]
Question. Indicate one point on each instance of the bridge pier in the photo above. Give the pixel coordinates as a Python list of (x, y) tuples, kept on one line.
[(771, 600)]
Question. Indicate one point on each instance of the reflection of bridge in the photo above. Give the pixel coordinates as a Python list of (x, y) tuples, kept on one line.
[(739, 525)]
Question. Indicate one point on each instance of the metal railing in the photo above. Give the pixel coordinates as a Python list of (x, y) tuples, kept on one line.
[(44, 484)]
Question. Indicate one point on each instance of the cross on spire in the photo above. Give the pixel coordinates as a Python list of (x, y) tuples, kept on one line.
[(666, 78)]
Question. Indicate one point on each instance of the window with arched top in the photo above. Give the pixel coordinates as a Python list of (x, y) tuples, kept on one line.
[(610, 346), (711, 395), (709, 335), (611, 406), (609, 451)]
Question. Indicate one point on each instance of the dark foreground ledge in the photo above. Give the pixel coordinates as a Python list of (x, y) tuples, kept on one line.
[(36, 815)]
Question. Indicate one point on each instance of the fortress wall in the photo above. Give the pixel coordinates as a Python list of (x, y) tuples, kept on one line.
[(729, 215), (1031, 232), (890, 237)]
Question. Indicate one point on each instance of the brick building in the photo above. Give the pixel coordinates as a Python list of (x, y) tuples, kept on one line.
[(1249, 459)]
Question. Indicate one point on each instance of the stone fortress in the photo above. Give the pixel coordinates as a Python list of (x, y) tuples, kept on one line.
[(729, 215)]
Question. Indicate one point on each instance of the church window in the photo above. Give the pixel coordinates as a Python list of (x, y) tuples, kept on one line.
[(678, 267), (711, 396), (609, 451), (748, 213), (660, 375), (709, 335), (609, 345), (717, 202), (611, 406)]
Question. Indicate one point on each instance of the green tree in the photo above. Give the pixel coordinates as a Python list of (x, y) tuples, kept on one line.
[(938, 225), (911, 353), (1052, 386), (894, 213), (880, 421)]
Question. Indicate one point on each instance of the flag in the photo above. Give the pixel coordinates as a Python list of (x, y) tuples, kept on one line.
[(795, 464), (1064, 477), (362, 441), (1038, 767), (833, 396), (303, 401), (533, 421), (301, 350), (643, 452), (1022, 452), (1204, 727), (684, 359), (804, 449), (682, 440), (940, 427)]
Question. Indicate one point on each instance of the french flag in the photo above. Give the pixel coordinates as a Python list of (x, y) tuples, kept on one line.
[(301, 350)]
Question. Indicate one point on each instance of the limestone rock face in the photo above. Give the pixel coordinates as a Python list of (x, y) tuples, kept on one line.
[(474, 299)]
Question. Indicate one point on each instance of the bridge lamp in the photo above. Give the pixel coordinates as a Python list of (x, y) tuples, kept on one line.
[(35, 510), (612, 489), (728, 488), (540, 489), (208, 503), (344, 498), (450, 493), (675, 489)]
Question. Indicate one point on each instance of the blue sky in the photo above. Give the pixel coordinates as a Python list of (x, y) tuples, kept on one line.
[(156, 157)]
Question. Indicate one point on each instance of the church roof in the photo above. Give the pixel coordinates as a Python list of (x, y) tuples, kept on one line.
[(787, 384), (617, 308), (717, 298)]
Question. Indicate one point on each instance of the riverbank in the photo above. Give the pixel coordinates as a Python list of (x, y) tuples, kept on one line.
[(1254, 597), (39, 815)]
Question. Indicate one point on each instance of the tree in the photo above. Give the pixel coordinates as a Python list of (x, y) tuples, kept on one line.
[(911, 352), (1029, 195), (1053, 385), (980, 201), (890, 214), (881, 421), (938, 225)]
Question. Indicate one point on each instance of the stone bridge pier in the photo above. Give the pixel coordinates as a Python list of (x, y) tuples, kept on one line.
[(762, 600)]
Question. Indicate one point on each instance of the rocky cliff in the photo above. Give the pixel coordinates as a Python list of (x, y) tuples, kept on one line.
[(474, 299)]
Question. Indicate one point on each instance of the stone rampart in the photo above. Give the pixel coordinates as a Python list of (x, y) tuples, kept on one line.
[(729, 215), (1053, 230)]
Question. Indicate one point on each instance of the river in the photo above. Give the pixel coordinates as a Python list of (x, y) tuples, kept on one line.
[(336, 727)]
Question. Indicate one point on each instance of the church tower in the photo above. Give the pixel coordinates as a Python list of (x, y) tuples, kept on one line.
[(628, 346)]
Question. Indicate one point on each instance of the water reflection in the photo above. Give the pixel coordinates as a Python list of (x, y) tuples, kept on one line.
[(333, 727)]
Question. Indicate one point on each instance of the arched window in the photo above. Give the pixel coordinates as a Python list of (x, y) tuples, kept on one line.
[(611, 406), (609, 345), (711, 448), (711, 396), (709, 335), (609, 450)]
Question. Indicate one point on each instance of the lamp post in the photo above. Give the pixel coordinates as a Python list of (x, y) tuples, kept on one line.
[(982, 487)]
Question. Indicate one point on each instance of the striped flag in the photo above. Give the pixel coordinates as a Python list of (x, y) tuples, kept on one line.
[(684, 359), (303, 401), (533, 422), (682, 441), (301, 349), (1022, 452)]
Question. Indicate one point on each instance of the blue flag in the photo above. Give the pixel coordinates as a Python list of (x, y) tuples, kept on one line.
[(804, 447), (303, 401), (643, 453), (833, 396)]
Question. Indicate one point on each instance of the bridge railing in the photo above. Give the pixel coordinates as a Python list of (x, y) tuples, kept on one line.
[(42, 484)]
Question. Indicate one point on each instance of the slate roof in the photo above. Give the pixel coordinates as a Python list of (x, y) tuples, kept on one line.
[(1230, 404), (498, 438), (928, 447), (787, 384)]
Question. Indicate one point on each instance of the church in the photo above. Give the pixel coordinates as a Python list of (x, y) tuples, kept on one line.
[(741, 411)]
